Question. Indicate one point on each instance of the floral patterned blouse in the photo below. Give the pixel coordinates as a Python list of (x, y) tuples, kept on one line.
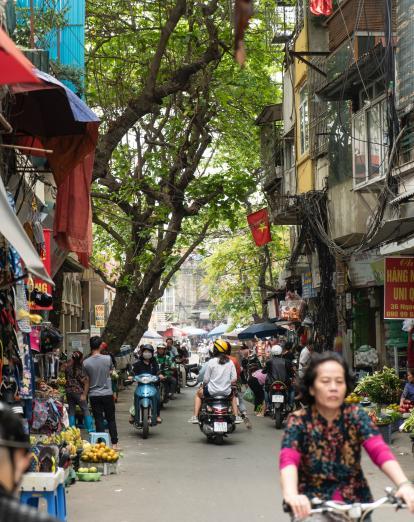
[(330, 456)]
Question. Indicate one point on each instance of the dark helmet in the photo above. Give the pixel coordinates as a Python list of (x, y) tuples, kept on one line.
[(12, 434), (147, 347), (221, 347)]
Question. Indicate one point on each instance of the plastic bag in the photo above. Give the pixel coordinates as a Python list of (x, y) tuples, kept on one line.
[(248, 396)]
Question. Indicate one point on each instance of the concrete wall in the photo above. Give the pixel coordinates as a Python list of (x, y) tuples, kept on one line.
[(349, 212)]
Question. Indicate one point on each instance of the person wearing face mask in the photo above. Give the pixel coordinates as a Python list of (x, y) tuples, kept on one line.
[(147, 363), (14, 460)]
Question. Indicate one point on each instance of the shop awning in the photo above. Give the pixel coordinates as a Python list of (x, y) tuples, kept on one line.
[(14, 66), (13, 231)]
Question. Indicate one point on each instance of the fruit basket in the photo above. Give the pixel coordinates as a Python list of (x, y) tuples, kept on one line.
[(89, 477)]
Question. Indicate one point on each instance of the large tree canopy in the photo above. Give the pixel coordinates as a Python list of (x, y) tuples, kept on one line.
[(178, 154)]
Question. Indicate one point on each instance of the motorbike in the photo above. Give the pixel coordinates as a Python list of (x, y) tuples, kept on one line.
[(164, 389), (278, 392), (216, 419), (192, 371), (145, 402)]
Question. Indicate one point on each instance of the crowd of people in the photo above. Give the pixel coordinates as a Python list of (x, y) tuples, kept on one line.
[(321, 447)]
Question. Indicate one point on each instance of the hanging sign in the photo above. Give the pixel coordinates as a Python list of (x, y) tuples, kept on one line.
[(308, 291), (39, 284), (100, 316), (399, 288)]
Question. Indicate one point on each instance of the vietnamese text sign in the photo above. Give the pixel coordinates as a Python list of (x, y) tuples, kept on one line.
[(399, 288), (38, 284), (100, 316)]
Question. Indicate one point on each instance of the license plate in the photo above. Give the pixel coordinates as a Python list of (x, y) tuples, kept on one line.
[(278, 398), (220, 427)]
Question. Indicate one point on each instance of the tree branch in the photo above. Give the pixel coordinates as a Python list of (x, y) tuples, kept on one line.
[(103, 276), (98, 221)]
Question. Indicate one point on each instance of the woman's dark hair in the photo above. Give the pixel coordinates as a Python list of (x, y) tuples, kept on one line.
[(311, 373), (223, 358)]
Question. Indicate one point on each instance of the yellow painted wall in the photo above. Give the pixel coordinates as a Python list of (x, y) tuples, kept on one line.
[(305, 175), (303, 162)]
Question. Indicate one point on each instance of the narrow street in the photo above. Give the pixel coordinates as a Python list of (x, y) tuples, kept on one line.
[(175, 475)]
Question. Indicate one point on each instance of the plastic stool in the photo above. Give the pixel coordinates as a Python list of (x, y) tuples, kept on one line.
[(95, 437), (49, 486)]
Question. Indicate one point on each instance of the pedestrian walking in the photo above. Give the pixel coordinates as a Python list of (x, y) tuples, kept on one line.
[(98, 369)]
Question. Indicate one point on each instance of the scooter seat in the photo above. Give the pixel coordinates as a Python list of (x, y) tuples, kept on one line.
[(216, 398)]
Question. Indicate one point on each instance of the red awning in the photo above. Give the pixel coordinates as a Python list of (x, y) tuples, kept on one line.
[(14, 66)]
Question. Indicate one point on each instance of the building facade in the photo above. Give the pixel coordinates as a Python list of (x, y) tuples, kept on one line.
[(343, 179)]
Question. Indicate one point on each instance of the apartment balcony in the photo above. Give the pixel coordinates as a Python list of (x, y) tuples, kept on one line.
[(362, 20)]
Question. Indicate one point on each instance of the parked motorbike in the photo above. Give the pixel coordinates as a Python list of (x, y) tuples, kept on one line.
[(192, 371), (278, 392), (145, 402), (216, 418)]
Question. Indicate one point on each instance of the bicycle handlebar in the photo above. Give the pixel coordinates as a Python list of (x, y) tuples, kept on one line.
[(331, 506)]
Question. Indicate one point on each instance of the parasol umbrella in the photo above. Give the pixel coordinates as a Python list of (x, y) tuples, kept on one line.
[(218, 330), (261, 330), (14, 66), (152, 334), (234, 333), (50, 116), (174, 332), (191, 331)]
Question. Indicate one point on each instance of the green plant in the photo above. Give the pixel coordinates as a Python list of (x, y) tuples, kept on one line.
[(383, 387), (409, 424)]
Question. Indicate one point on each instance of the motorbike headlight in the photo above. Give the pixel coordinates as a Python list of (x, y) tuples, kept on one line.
[(145, 380)]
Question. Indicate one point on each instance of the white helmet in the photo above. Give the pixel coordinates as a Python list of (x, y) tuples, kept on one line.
[(276, 350)]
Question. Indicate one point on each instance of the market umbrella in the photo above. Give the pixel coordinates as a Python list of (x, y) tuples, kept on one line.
[(218, 330), (152, 334), (174, 332), (191, 331), (51, 116), (14, 66), (261, 330), (234, 333)]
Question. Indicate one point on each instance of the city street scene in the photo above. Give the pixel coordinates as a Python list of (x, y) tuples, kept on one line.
[(206, 260)]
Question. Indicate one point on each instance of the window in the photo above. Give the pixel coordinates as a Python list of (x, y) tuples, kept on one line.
[(369, 142), (304, 119), (289, 153)]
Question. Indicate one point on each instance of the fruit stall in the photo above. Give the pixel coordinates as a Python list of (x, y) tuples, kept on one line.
[(380, 394), (79, 459)]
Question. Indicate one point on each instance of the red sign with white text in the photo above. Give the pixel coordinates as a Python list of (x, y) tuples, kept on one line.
[(47, 261), (399, 288)]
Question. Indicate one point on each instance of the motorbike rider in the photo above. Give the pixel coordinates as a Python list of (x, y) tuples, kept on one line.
[(15, 458), (171, 349), (182, 358), (248, 362), (167, 365), (277, 369), (219, 379), (147, 363)]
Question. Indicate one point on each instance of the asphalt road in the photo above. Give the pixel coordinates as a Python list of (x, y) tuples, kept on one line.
[(175, 476)]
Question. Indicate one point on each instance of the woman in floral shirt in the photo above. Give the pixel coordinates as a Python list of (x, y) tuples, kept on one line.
[(321, 448), (75, 384)]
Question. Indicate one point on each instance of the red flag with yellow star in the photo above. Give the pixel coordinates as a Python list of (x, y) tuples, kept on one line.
[(260, 227)]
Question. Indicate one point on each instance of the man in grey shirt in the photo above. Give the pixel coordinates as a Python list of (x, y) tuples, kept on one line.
[(98, 368)]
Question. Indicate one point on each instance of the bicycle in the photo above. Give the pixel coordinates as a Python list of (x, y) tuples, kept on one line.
[(357, 512)]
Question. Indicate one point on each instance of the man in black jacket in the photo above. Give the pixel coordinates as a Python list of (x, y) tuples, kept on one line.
[(14, 460)]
